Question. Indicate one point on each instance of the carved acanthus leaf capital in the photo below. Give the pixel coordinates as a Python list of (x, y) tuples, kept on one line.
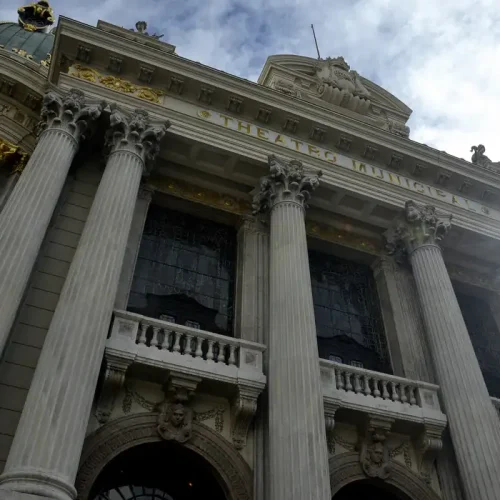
[(69, 113), (136, 134), (287, 181), (419, 225)]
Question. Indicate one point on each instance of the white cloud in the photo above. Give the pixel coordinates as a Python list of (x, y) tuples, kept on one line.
[(441, 58)]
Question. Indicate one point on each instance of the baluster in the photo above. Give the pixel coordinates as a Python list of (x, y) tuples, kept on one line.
[(188, 346), (218, 352), (232, 355), (339, 379), (142, 333), (368, 391), (199, 351), (385, 392), (357, 385), (404, 398), (413, 400), (348, 385), (177, 343), (376, 391), (154, 338), (395, 395), (210, 351)]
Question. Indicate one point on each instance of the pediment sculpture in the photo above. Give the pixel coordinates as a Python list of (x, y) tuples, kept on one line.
[(479, 158), (340, 85), (175, 421)]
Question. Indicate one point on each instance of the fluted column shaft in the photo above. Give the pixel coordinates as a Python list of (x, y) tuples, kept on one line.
[(26, 215), (298, 456), (46, 449), (474, 423)]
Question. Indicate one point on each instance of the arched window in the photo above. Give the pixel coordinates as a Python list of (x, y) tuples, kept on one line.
[(157, 471), (349, 325), (185, 271)]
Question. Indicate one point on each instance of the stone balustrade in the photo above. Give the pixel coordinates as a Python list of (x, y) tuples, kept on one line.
[(354, 388), (154, 342)]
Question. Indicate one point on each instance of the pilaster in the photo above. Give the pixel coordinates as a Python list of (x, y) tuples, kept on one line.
[(474, 423), (46, 450), (26, 215), (298, 453)]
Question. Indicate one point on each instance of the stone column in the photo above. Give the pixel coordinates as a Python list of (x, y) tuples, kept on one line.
[(46, 449), (252, 323), (474, 423), (26, 215), (298, 453)]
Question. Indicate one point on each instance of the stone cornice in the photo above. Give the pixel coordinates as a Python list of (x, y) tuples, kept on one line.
[(248, 147), (23, 71), (271, 97)]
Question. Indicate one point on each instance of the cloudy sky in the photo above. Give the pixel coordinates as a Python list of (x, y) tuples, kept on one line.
[(441, 57)]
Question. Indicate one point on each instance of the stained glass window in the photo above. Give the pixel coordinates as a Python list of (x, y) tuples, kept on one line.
[(185, 271), (347, 311), (485, 338)]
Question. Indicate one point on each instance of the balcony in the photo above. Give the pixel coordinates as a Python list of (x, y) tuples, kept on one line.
[(411, 406), (187, 357)]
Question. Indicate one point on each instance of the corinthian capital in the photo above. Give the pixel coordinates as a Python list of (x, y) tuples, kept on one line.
[(286, 181), (419, 225), (69, 113), (135, 133)]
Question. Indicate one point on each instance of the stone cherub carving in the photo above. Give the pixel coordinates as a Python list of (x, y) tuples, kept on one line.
[(374, 455), (479, 158), (175, 422)]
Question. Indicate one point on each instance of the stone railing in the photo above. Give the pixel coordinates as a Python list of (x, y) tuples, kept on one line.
[(185, 357), (346, 386), (159, 343)]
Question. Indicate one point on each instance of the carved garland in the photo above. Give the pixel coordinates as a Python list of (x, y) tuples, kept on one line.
[(115, 437), (116, 83)]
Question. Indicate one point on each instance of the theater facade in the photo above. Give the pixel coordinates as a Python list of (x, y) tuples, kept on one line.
[(221, 289)]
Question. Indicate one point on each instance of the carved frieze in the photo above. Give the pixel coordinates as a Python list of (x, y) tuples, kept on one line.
[(116, 83), (286, 87)]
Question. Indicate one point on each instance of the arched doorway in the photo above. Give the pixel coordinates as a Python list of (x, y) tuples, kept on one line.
[(373, 490), (157, 471), (232, 473)]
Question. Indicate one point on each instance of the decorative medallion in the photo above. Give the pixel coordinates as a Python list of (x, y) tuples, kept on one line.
[(175, 422)]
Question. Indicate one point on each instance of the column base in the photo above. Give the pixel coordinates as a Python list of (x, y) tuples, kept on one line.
[(25, 484)]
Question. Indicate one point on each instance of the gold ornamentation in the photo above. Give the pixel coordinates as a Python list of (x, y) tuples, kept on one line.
[(204, 114), (46, 62), (345, 238), (204, 196), (12, 156), (116, 83), (22, 53)]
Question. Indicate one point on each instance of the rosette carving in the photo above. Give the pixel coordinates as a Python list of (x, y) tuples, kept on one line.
[(287, 181), (136, 134), (69, 113)]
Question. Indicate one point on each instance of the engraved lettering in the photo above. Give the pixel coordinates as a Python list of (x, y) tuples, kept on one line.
[(243, 127), (440, 193), (394, 179), (380, 175), (297, 144), (313, 150), (227, 119), (359, 167), (279, 139), (418, 190), (333, 158), (261, 133)]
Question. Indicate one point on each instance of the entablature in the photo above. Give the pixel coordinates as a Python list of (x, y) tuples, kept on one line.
[(171, 76)]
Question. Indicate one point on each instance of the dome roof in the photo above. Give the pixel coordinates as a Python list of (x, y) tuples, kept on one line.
[(35, 43)]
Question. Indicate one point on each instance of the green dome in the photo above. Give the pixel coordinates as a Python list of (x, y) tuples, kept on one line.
[(36, 44)]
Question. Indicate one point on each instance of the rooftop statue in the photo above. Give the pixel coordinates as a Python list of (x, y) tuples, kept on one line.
[(141, 27), (37, 16), (479, 158), (340, 85)]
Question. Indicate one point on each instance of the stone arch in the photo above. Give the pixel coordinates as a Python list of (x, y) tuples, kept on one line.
[(233, 473), (346, 468)]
